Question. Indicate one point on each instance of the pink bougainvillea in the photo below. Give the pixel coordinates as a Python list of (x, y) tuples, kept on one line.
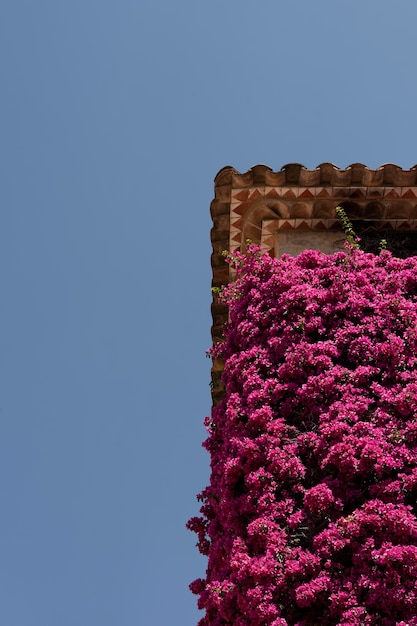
[(310, 515)]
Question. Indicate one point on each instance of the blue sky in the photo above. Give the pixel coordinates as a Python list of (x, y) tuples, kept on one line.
[(115, 118)]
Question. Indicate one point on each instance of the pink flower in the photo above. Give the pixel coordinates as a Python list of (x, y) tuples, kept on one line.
[(310, 515), (318, 499)]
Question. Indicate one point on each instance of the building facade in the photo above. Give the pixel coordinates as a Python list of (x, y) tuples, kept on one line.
[(294, 209)]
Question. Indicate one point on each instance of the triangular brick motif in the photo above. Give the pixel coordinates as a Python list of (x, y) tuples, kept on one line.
[(269, 226), (268, 242), (242, 195), (340, 192), (237, 237), (319, 226), (236, 222), (306, 194), (324, 193), (374, 193), (392, 194), (386, 226), (358, 194), (289, 194), (410, 193), (285, 226), (303, 226), (273, 193), (241, 209), (255, 194), (334, 224)]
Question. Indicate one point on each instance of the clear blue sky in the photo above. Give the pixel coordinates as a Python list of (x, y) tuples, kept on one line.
[(115, 118)]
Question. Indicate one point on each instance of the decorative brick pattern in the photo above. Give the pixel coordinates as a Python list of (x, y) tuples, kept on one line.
[(294, 209)]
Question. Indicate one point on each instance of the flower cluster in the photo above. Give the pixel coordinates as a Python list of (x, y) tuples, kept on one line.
[(310, 515)]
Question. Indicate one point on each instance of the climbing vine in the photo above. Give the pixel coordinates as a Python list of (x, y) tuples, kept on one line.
[(310, 515)]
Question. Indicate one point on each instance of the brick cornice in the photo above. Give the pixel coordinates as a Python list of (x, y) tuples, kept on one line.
[(259, 203)]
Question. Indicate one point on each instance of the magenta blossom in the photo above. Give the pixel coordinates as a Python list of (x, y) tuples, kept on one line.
[(310, 515)]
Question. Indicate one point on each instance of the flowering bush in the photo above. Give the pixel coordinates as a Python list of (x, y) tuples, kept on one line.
[(310, 515)]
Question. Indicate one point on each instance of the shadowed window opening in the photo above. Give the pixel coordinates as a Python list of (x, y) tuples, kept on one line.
[(401, 243)]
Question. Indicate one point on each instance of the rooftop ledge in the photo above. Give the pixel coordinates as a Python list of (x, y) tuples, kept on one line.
[(294, 209)]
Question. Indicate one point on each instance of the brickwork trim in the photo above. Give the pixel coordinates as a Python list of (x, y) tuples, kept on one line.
[(259, 203)]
